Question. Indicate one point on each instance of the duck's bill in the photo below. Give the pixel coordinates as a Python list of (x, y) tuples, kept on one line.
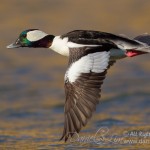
[(14, 45)]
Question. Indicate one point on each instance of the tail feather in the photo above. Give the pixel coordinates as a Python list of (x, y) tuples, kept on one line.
[(145, 41), (145, 38)]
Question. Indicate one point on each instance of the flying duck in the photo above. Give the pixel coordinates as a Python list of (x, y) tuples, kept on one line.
[(91, 53)]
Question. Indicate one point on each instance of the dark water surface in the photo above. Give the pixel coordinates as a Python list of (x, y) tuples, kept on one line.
[(31, 80)]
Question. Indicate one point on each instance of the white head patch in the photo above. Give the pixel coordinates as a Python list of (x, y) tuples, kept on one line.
[(35, 35)]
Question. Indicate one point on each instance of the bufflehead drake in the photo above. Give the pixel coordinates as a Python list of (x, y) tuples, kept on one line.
[(91, 53)]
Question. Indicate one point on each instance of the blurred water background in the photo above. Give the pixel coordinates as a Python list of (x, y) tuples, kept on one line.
[(31, 80)]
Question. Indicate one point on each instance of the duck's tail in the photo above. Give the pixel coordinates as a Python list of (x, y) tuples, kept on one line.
[(144, 38), (144, 41)]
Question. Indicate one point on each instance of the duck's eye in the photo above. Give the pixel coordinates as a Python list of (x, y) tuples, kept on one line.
[(24, 35)]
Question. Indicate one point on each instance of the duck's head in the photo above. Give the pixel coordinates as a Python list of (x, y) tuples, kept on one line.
[(33, 38)]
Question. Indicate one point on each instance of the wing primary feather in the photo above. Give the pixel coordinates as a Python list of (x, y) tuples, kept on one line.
[(75, 120), (80, 115), (71, 125), (65, 130)]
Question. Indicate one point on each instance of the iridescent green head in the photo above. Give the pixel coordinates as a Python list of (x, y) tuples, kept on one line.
[(32, 38)]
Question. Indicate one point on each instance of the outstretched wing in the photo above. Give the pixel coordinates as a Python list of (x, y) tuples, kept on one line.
[(83, 79)]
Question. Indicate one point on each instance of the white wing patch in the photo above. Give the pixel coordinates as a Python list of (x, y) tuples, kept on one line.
[(75, 45), (35, 35), (95, 62)]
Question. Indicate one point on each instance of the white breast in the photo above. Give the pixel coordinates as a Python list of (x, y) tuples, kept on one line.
[(59, 45), (62, 46)]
